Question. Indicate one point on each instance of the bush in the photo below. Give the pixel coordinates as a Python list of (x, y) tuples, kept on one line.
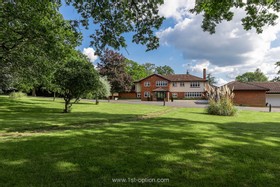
[(223, 107), (17, 95), (89, 96), (220, 101)]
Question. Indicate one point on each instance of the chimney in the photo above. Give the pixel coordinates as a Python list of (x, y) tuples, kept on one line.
[(204, 73)]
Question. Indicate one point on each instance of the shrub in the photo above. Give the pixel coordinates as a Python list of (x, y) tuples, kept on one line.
[(223, 107), (89, 96), (220, 101), (17, 95)]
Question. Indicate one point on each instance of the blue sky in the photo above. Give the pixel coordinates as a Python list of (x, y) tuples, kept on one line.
[(183, 44)]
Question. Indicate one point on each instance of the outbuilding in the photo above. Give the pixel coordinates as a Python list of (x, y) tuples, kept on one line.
[(273, 94), (248, 94)]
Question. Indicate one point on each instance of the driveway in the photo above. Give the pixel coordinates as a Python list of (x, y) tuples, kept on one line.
[(187, 104)]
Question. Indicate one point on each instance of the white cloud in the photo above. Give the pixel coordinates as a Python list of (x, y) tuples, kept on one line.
[(221, 82), (176, 9), (89, 52), (227, 53)]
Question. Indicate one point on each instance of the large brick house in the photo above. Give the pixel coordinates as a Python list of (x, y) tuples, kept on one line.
[(256, 93), (164, 87)]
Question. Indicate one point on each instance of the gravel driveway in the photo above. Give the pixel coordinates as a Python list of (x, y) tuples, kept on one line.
[(187, 104)]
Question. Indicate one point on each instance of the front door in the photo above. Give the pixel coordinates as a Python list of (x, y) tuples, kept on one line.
[(160, 96)]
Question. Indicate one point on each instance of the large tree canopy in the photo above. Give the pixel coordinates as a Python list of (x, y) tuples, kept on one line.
[(34, 39), (252, 77), (259, 13), (112, 65), (150, 68), (37, 23), (164, 70), (115, 18), (135, 70)]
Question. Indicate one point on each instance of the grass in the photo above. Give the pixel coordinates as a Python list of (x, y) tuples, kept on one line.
[(40, 146)]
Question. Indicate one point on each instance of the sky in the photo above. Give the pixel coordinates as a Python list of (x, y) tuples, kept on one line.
[(231, 51)]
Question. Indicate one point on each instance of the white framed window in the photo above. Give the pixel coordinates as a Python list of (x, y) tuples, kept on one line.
[(174, 84), (147, 84), (193, 94), (174, 95), (147, 94), (195, 84), (138, 95), (161, 83), (182, 84)]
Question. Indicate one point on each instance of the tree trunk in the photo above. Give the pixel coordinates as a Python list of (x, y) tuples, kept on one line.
[(53, 96), (67, 107), (34, 92), (111, 96), (96, 99)]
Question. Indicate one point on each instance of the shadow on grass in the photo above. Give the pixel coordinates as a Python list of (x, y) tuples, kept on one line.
[(78, 149), (21, 116), (188, 152)]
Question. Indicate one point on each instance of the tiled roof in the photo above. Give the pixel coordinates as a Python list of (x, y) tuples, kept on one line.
[(150, 76), (235, 85), (177, 78), (183, 77), (274, 87)]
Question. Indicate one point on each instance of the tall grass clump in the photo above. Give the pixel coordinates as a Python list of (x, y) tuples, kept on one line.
[(220, 101), (17, 95)]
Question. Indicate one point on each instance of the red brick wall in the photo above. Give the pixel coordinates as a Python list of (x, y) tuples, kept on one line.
[(127, 95), (150, 89), (249, 98)]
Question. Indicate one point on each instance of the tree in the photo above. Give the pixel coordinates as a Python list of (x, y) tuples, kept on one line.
[(7, 79), (76, 78), (258, 13), (252, 77), (164, 70), (135, 70), (276, 79), (278, 65), (42, 25), (115, 18), (34, 40), (112, 65), (103, 89), (150, 68), (211, 79)]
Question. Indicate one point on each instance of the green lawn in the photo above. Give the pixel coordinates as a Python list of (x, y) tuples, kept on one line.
[(40, 146)]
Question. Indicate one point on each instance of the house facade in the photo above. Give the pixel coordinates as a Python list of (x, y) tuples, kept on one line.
[(165, 87)]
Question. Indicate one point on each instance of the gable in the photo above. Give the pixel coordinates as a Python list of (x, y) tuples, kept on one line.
[(154, 76)]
